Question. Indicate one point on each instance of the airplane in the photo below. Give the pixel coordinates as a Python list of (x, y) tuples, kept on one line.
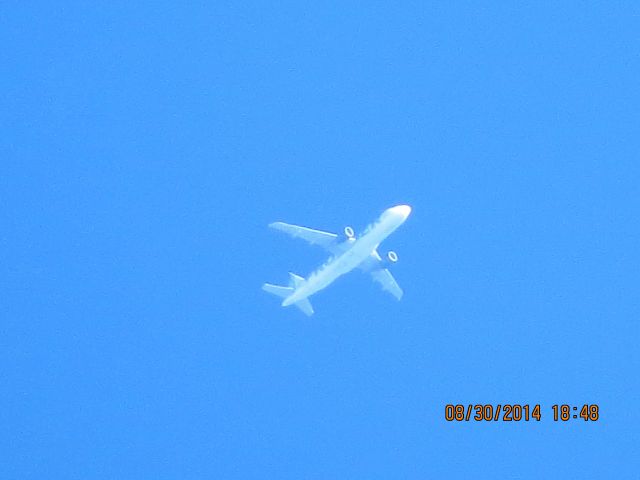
[(348, 253)]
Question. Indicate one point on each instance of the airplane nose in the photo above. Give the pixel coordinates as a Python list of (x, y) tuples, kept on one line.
[(402, 210)]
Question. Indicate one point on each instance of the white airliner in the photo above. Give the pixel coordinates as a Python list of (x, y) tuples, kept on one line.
[(348, 252)]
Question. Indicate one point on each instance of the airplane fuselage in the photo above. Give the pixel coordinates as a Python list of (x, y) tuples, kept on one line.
[(358, 252)]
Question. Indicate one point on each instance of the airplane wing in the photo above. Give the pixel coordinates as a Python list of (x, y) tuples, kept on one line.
[(381, 275), (387, 282), (315, 237)]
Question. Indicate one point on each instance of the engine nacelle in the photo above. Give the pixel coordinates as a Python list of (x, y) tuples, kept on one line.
[(392, 256), (349, 233)]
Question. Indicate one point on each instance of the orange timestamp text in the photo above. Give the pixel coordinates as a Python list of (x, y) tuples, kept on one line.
[(518, 412)]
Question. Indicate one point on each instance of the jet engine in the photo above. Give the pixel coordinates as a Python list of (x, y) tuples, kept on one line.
[(392, 256), (349, 233)]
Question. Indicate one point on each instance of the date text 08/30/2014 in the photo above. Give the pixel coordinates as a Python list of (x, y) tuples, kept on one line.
[(519, 412)]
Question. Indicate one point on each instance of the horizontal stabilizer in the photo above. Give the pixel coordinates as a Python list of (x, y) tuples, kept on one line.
[(305, 306), (282, 292)]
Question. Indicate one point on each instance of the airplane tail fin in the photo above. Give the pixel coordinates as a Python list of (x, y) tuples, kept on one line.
[(295, 280), (283, 292)]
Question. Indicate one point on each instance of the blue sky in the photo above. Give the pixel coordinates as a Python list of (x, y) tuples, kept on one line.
[(145, 149)]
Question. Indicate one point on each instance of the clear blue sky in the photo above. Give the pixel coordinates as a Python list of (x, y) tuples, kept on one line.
[(146, 147)]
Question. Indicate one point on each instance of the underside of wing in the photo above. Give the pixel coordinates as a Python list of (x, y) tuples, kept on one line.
[(375, 266), (315, 237), (387, 282)]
